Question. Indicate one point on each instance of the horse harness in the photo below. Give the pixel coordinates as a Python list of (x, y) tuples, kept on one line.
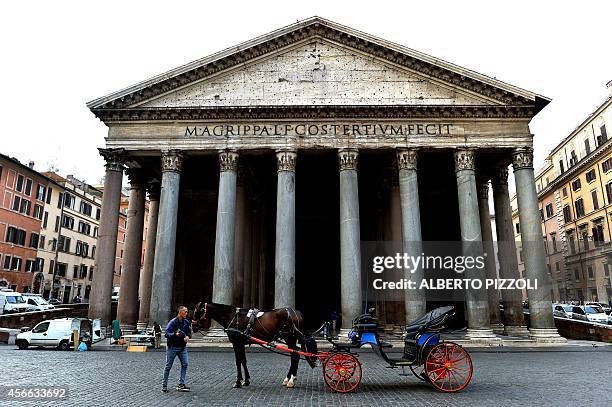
[(253, 315)]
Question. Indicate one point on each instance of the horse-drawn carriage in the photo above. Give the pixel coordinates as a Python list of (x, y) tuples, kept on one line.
[(445, 365)]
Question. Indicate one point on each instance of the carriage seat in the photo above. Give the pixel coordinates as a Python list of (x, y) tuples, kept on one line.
[(432, 319), (365, 322), (411, 331)]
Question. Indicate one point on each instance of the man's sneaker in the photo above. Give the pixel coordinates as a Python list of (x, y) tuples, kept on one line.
[(182, 387), (164, 389)]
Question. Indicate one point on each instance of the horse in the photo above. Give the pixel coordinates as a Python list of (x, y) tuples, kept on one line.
[(285, 324)]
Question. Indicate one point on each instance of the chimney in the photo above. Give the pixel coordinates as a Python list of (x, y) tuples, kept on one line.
[(609, 86), (31, 163)]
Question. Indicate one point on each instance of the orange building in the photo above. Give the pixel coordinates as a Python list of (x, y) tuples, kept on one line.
[(23, 195)]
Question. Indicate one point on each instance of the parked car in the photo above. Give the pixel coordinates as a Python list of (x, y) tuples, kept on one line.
[(54, 301), (595, 313), (13, 302), (37, 303), (578, 313), (58, 333), (606, 307), (562, 310)]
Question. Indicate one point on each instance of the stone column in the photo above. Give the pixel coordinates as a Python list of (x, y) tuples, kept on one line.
[(102, 285), (415, 304), (247, 299), (127, 309), (350, 240), (398, 314), (542, 325), (284, 262), (489, 250), (147, 270), (165, 245), (479, 327), (223, 278), (239, 240), (514, 322)]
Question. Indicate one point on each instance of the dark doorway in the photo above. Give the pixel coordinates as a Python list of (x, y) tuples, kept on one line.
[(438, 197), (317, 236), (440, 226)]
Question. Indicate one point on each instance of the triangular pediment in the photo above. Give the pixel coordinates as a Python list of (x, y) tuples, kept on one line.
[(318, 72), (317, 62)]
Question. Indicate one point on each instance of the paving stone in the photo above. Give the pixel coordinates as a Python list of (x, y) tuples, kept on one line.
[(121, 378)]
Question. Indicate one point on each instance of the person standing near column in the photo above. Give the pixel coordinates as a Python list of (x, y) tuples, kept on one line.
[(178, 333)]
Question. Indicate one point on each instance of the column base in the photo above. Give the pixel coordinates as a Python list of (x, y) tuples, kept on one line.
[(482, 335), (343, 334), (498, 328), (546, 335), (520, 330)]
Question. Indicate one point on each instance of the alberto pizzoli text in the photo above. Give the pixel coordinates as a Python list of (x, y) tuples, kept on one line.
[(456, 284)]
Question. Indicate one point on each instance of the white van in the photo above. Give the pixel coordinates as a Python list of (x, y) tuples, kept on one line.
[(36, 302), (13, 302), (58, 333)]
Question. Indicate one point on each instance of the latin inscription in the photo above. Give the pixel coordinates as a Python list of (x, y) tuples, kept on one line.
[(316, 129)]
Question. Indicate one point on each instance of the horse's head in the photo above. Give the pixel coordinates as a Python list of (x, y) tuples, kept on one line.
[(199, 316)]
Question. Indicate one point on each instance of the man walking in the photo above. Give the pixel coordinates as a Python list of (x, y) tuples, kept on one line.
[(178, 333)]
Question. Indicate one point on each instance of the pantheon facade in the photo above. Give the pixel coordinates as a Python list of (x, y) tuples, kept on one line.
[(269, 163)]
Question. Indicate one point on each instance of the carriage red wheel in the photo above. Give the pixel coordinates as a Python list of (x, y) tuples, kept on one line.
[(342, 372), (448, 367)]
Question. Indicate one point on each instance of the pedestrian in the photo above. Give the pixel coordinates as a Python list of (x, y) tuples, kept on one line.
[(178, 333), (157, 331), (334, 318)]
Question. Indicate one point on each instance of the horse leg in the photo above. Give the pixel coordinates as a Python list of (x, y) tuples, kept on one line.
[(247, 377), (295, 359), (238, 383)]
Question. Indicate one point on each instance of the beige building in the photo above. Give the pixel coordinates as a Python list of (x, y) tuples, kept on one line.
[(575, 198), (70, 229)]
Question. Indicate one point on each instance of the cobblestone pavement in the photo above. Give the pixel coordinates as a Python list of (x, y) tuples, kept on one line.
[(121, 378)]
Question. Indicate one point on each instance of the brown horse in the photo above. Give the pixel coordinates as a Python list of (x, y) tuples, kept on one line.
[(285, 324)]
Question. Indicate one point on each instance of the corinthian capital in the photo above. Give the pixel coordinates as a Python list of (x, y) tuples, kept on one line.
[(286, 160), (114, 157), (407, 159), (522, 158), (464, 160), (153, 188), (482, 188), (500, 176), (228, 160), (137, 178), (347, 159), (172, 161)]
